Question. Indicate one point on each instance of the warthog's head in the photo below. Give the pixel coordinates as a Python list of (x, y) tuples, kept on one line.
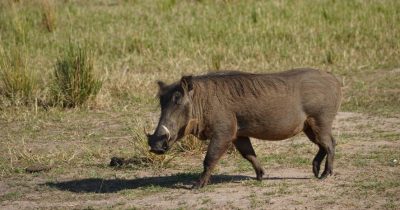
[(176, 112)]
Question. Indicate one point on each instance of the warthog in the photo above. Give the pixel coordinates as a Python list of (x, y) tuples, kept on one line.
[(231, 107)]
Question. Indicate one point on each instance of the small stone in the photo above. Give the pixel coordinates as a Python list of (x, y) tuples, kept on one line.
[(37, 168), (116, 161)]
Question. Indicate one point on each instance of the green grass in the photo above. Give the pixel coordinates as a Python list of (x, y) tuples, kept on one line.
[(390, 136), (381, 156), (10, 196), (135, 43), (375, 92), (18, 84), (289, 158), (373, 184)]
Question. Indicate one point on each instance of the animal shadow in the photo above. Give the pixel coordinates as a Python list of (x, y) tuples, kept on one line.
[(175, 181)]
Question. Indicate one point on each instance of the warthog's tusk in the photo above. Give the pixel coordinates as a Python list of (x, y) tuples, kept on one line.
[(166, 130)]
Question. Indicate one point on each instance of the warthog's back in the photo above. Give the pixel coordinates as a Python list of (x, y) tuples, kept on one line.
[(269, 106)]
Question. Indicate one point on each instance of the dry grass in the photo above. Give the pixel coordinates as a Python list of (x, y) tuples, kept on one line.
[(191, 144), (49, 18), (143, 158)]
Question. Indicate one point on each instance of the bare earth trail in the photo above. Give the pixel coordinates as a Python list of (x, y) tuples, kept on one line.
[(366, 175)]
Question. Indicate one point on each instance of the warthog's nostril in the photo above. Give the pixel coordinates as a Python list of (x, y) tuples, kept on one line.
[(165, 146)]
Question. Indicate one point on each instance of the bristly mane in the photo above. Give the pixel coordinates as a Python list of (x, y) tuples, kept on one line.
[(234, 84)]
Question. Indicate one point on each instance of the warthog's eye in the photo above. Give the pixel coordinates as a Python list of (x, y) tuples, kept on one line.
[(177, 98)]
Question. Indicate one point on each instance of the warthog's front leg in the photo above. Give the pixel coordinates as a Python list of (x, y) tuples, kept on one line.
[(216, 149)]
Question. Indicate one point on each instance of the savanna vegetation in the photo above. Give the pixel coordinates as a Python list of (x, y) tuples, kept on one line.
[(78, 84)]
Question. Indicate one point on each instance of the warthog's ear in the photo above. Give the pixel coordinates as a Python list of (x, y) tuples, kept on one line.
[(187, 83), (161, 87), (161, 84)]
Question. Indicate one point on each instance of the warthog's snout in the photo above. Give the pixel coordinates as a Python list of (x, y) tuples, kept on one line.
[(158, 145), (159, 140)]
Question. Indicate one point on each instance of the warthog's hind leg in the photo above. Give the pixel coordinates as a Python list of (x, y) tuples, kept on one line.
[(321, 152), (243, 145), (326, 144), (329, 143), (319, 157)]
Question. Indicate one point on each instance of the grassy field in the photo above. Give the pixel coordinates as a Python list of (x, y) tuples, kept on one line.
[(130, 44)]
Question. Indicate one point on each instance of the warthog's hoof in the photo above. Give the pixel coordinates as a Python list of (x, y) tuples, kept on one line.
[(260, 174), (325, 174), (199, 184)]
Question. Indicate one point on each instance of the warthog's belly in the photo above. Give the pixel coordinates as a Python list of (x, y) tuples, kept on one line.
[(272, 126), (276, 134)]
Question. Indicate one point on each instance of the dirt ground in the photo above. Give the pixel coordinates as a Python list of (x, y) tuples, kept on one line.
[(366, 175)]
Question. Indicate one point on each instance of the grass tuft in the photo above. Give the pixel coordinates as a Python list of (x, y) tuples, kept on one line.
[(18, 84), (74, 77)]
